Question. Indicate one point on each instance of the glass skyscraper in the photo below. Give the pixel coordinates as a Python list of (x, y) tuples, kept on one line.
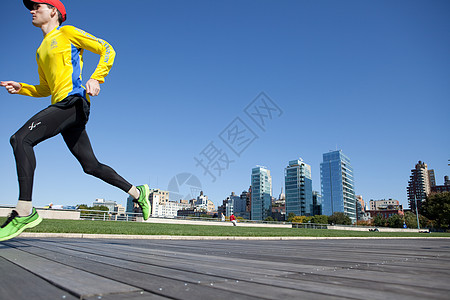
[(338, 194), (317, 203), (298, 188), (261, 201)]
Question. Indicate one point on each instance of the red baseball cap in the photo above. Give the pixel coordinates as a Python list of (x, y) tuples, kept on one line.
[(56, 3)]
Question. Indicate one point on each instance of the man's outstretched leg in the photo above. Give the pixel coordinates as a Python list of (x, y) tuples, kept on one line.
[(77, 140)]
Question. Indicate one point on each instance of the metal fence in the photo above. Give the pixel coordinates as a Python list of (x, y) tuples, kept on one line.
[(101, 215), (310, 225)]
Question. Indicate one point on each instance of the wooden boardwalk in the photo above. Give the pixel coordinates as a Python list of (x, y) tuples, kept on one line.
[(68, 268)]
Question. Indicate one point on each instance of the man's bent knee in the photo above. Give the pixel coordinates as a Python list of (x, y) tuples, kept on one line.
[(93, 169), (13, 141)]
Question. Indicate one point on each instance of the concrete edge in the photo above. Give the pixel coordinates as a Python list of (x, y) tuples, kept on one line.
[(182, 237)]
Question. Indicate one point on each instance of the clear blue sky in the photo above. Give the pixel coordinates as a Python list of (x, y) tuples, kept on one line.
[(369, 77)]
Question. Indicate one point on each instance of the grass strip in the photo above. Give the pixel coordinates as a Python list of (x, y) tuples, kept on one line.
[(133, 228)]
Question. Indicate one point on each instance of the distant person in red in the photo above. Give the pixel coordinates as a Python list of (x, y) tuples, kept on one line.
[(233, 219)]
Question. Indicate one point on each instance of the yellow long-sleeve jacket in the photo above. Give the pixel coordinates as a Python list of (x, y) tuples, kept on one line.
[(60, 62)]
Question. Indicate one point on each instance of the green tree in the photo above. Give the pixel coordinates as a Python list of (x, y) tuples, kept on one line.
[(320, 219), (395, 221), (339, 218), (437, 208), (379, 221), (269, 219), (101, 207), (411, 221), (308, 219), (298, 219)]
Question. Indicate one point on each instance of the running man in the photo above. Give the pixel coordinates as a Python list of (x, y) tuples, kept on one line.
[(60, 62)]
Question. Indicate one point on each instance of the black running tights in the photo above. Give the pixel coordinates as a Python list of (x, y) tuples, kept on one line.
[(70, 122)]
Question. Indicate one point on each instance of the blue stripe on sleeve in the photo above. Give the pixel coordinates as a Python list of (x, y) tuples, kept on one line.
[(77, 89)]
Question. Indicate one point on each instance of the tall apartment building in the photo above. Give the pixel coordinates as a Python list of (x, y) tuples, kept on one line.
[(337, 183), (317, 203), (261, 195), (298, 188), (419, 185)]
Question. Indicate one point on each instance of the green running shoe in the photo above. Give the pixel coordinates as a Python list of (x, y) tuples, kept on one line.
[(14, 225), (143, 200)]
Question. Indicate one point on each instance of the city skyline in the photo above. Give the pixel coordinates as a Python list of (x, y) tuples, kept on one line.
[(296, 78)]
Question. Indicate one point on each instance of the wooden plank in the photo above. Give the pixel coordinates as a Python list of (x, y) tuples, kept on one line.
[(13, 277), (156, 284), (128, 296), (271, 284), (79, 282), (258, 269)]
